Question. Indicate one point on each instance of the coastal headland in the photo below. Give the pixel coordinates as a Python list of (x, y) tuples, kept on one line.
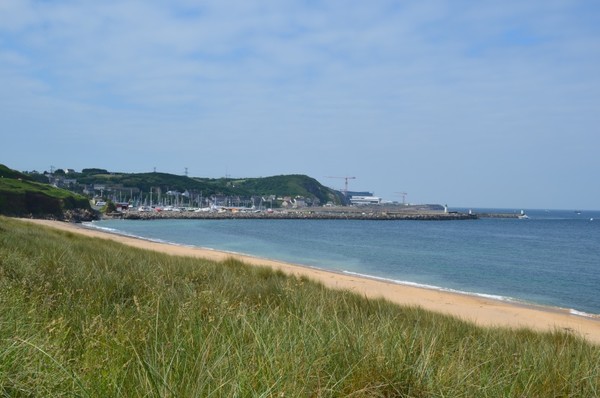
[(479, 310)]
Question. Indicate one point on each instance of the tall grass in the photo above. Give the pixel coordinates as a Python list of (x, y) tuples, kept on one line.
[(89, 317)]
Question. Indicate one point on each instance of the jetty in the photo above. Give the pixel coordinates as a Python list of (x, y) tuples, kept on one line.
[(498, 215), (422, 212)]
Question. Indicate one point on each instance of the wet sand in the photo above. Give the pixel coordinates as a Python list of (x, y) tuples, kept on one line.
[(479, 310)]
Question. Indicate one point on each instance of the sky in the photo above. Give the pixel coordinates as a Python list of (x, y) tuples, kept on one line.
[(465, 103)]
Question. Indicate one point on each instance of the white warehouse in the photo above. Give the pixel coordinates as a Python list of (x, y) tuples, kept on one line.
[(365, 200)]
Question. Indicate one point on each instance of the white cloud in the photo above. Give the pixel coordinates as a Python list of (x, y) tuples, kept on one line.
[(340, 80)]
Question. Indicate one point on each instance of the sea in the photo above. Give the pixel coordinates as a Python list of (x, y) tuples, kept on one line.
[(550, 259)]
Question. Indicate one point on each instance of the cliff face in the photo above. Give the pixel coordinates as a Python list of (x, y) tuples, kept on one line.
[(21, 197)]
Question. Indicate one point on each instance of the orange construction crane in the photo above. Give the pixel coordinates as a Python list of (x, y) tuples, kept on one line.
[(345, 182)]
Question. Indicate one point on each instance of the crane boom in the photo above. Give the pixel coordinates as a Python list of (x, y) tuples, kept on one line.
[(346, 178)]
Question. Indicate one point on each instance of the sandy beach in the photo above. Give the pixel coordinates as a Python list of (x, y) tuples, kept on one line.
[(481, 311)]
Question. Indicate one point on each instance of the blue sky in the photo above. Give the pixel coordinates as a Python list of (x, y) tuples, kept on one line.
[(483, 104)]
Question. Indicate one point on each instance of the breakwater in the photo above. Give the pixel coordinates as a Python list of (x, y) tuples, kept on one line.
[(293, 215), (498, 215)]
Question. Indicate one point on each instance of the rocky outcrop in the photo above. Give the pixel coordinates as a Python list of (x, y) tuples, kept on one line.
[(80, 215)]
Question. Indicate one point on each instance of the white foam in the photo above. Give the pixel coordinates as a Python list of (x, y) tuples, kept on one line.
[(581, 313), (115, 231), (432, 287)]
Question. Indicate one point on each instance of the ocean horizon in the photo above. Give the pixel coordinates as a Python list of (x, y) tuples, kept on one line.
[(550, 259)]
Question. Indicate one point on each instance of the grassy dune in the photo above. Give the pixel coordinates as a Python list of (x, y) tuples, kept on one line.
[(88, 317)]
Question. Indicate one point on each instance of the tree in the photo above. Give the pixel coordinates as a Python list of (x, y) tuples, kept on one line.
[(109, 207)]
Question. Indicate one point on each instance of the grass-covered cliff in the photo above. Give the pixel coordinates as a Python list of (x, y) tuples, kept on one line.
[(22, 197)]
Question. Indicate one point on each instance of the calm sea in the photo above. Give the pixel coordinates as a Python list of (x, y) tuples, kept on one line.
[(552, 258)]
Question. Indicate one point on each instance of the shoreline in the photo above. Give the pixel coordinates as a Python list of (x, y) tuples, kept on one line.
[(245, 256), (482, 311)]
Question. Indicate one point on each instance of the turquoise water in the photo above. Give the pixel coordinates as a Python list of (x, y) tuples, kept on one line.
[(553, 258)]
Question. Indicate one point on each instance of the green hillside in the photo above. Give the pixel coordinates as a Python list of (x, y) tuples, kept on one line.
[(290, 185), (166, 182), (6, 172), (280, 186), (22, 197), (148, 187)]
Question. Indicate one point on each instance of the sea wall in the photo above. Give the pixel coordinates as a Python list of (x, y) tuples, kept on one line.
[(292, 215)]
